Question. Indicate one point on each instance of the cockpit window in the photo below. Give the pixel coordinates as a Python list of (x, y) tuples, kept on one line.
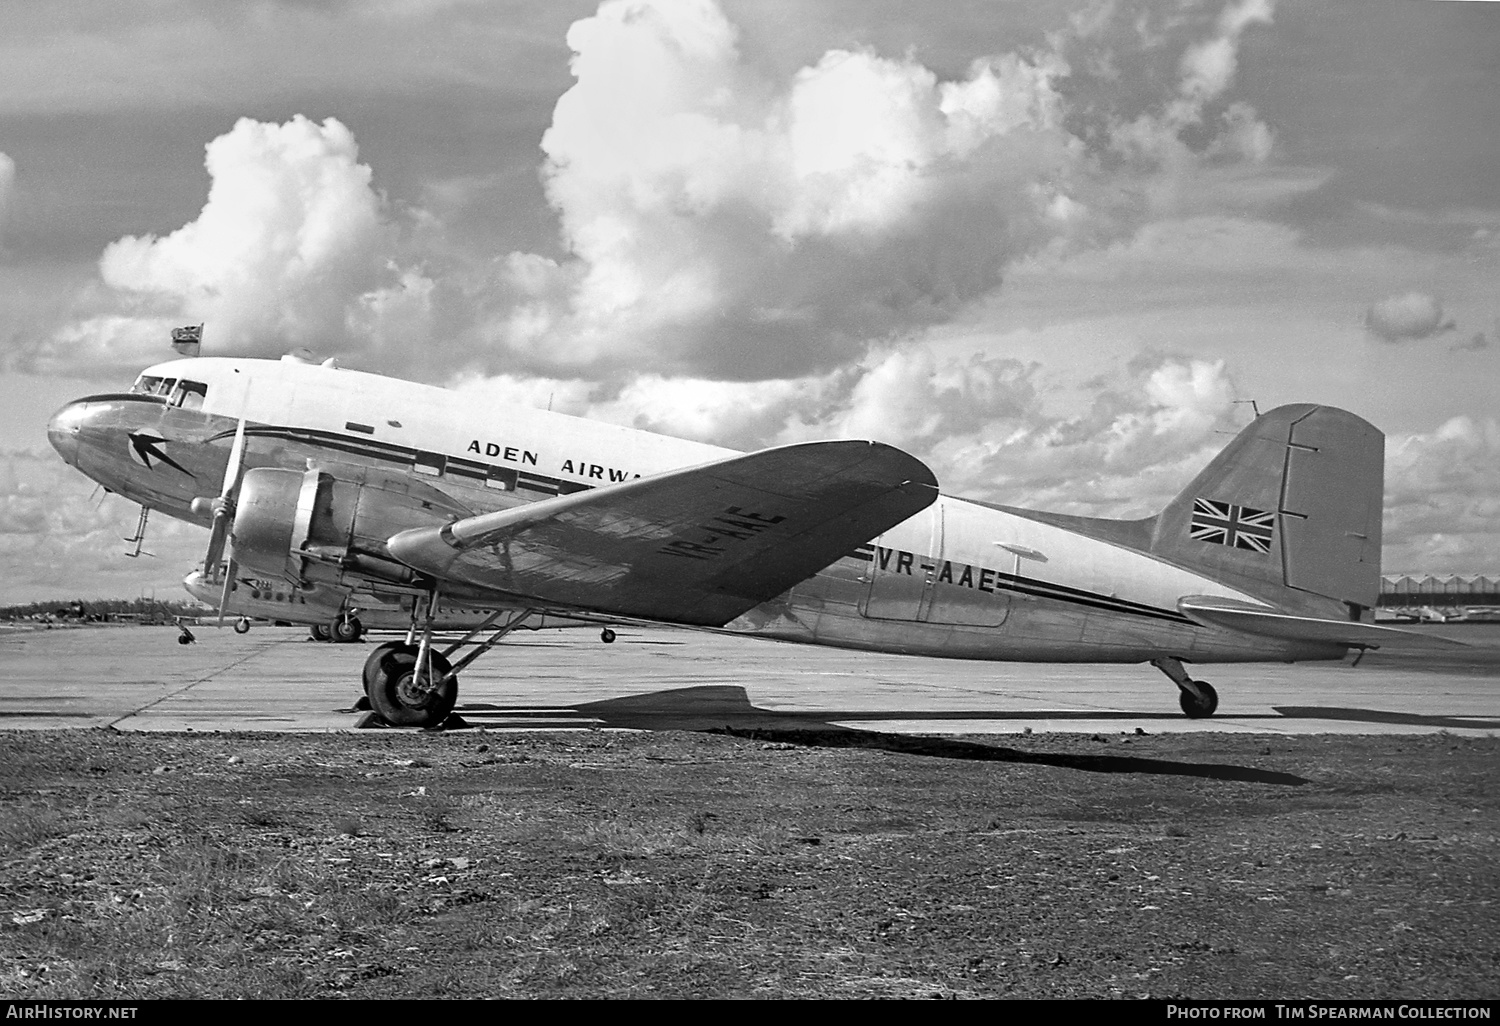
[(189, 394), (148, 384)]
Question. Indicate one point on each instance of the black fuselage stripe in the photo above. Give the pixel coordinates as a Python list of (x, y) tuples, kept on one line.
[(1046, 589), (405, 456), (1096, 601), (1063, 593)]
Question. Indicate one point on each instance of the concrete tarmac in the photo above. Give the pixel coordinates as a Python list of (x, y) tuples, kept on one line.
[(275, 679)]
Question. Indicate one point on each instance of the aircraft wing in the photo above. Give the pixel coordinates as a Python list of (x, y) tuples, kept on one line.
[(697, 546), (1269, 623)]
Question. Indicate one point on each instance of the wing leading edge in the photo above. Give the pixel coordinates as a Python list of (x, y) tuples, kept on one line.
[(697, 546)]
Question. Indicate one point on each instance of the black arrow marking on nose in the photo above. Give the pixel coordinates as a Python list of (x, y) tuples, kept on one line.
[(147, 446)]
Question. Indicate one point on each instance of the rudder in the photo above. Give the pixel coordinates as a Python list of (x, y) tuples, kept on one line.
[(1290, 512)]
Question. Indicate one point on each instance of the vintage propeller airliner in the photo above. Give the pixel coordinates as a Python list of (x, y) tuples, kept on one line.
[(335, 481)]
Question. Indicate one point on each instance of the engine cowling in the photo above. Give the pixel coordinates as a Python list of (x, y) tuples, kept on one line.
[(319, 525)]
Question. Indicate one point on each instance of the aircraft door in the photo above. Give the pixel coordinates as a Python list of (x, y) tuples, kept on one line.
[(903, 571), (963, 594)]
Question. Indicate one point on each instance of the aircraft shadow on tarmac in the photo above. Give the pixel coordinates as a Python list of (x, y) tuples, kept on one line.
[(726, 709), (1318, 712)]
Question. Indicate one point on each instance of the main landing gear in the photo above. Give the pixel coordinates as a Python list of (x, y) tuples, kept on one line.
[(412, 684), (341, 629), (1197, 697)]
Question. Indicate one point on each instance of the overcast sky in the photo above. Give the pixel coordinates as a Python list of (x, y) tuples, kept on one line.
[(1053, 249)]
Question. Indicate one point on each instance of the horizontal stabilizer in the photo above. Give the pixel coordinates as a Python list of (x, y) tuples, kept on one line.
[(1268, 623), (697, 546)]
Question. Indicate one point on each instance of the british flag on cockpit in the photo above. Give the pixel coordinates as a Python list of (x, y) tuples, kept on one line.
[(1239, 527)]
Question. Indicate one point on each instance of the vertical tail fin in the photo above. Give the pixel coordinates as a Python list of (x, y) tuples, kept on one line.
[(1290, 511)]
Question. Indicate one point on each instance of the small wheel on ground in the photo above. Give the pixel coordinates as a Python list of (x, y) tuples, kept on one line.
[(242, 625), (1196, 708), (607, 636), (405, 698), (319, 632), (346, 629)]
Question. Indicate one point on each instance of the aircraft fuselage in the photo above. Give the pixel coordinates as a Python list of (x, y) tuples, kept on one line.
[(960, 579)]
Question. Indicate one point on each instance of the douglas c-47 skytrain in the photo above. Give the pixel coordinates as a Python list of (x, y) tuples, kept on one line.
[(337, 481)]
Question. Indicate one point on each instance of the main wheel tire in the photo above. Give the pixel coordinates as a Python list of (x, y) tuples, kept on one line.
[(346, 629), (372, 664), (404, 701), (242, 626), (319, 632), (1197, 709)]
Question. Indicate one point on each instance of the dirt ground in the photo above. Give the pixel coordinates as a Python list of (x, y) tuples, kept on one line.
[(801, 864)]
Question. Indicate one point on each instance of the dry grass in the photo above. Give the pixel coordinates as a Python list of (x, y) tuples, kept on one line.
[(682, 865)]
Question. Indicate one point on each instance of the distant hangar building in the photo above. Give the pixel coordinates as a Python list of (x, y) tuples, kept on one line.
[(1440, 598)]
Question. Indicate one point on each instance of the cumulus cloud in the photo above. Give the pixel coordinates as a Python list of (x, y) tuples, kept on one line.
[(717, 222), (1407, 317), (1443, 499), (1209, 66), (292, 236), (721, 224), (724, 225), (1172, 144)]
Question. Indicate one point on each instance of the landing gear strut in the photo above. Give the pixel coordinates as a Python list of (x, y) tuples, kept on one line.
[(1197, 698), (411, 684)]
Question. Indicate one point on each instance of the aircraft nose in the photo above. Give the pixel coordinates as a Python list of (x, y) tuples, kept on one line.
[(62, 431)]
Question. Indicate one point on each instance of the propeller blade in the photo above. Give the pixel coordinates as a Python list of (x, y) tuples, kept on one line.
[(230, 572), (236, 457), (224, 505)]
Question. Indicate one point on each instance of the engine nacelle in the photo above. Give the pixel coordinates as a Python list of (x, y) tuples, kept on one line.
[(315, 526)]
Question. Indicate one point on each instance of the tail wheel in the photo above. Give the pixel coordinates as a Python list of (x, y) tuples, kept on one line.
[(346, 629), (242, 626), (1199, 708), (406, 698), (607, 636)]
